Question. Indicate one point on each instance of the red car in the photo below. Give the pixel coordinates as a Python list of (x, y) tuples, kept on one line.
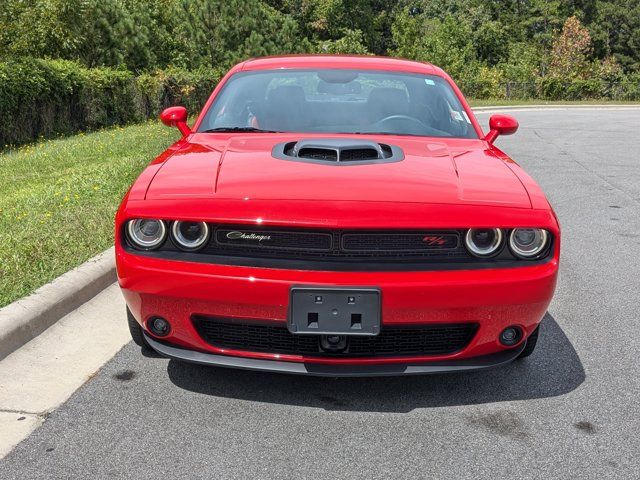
[(337, 215)]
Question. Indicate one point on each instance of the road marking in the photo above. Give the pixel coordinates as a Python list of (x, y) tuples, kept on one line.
[(44, 373)]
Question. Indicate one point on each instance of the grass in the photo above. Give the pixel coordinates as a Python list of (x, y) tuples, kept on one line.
[(502, 102), (58, 199)]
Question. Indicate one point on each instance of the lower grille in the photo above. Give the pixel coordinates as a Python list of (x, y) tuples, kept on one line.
[(392, 341)]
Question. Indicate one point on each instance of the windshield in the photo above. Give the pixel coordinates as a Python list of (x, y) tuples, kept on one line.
[(338, 101)]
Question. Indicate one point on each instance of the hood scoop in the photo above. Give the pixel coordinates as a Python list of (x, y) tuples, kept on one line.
[(338, 151)]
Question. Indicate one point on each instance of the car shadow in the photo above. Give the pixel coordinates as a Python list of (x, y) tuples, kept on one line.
[(553, 369)]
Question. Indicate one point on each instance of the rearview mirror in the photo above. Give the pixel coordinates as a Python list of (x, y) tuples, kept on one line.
[(501, 125), (176, 117)]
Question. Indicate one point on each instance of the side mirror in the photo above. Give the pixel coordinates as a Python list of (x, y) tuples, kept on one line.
[(176, 117), (501, 125)]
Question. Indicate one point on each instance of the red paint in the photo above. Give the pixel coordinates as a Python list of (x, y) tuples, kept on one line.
[(442, 183), (176, 117), (501, 125)]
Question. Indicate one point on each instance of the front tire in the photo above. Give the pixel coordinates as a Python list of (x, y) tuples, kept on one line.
[(136, 331), (531, 344)]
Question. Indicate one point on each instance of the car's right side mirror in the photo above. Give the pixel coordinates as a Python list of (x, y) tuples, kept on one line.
[(501, 125)]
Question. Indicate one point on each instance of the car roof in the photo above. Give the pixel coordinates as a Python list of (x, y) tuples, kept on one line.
[(360, 62)]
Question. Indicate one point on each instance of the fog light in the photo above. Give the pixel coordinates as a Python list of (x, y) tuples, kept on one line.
[(159, 326), (510, 336)]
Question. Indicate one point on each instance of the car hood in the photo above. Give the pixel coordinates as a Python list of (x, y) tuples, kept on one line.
[(451, 171)]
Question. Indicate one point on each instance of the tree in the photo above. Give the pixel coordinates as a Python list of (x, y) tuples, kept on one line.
[(616, 32), (570, 51), (221, 32), (351, 43), (446, 44)]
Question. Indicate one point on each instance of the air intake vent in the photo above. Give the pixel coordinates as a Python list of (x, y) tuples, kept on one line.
[(318, 154), (338, 151)]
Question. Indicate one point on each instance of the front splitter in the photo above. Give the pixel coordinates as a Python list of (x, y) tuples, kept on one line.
[(324, 370)]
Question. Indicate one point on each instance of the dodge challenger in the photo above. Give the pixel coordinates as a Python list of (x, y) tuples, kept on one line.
[(338, 216)]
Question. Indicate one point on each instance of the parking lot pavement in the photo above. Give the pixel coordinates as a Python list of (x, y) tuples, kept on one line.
[(569, 411)]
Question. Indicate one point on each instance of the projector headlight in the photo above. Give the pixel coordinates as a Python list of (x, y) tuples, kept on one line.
[(146, 234), (190, 235), (528, 242), (483, 242)]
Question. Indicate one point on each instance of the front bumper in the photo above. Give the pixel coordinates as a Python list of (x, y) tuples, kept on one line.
[(328, 370), (491, 298)]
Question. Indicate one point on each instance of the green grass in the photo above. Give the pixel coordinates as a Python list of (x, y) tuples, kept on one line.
[(58, 199), (502, 102)]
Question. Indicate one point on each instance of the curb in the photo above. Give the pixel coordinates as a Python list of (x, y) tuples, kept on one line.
[(28, 317), (551, 106)]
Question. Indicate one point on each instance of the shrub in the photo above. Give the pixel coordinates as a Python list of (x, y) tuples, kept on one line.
[(43, 98)]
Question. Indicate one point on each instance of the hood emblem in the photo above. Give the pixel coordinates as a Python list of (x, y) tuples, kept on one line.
[(235, 235)]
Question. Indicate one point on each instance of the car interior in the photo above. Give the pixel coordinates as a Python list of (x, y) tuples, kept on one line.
[(404, 106)]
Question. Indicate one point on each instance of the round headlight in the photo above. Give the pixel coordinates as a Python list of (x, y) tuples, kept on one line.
[(483, 242), (145, 233), (190, 235), (528, 242)]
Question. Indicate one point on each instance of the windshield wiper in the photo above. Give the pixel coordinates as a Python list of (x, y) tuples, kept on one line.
[(239, 129)]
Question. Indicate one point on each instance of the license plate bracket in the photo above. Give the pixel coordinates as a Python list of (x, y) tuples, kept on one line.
[(334, 311)]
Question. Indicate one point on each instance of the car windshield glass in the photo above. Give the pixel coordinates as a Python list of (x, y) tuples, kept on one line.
[(338, 101)]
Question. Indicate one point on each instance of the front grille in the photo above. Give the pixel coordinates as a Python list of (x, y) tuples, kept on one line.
[(399, 242), (392, 341), (271, 240), (342, 245)]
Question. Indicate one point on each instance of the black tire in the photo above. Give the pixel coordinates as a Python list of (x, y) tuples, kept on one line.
[(531, 344), (136, 331)]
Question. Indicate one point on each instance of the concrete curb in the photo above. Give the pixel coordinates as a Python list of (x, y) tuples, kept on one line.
[(28, 317), (595, 106)]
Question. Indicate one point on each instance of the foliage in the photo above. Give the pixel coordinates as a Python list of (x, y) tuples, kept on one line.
[(351, 43), (146, 35), (570, 51), (49, 97), (69, 65), (221, 32)]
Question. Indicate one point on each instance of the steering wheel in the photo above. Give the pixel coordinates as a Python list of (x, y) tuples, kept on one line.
[(403, 123)]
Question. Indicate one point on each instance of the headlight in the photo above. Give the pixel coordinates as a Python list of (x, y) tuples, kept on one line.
[(528, 242), (483, 242), (146, 234), (190, 235)]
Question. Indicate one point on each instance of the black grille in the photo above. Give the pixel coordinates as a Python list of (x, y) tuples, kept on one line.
[(392, 341), (398, 242), (272, 239), (245, 241)]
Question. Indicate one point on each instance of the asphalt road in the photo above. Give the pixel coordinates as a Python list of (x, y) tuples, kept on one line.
[(569, 411)]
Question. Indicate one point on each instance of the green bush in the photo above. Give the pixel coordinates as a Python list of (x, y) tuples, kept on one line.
[(43, 98)]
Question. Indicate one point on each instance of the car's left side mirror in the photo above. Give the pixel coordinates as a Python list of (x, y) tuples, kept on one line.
[(176, 117), (501, 125)]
